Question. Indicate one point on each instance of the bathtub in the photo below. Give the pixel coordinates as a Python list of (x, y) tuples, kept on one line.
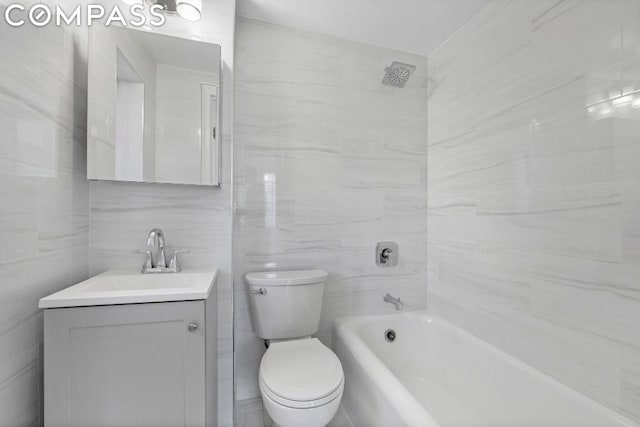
[(435, 374)]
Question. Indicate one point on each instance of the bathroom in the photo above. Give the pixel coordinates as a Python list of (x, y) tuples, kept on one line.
[(476, 160)]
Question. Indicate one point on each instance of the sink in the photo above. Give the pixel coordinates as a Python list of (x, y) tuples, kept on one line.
[(126, 287)]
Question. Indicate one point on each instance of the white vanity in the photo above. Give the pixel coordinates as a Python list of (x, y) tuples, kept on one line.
[(131, 349)]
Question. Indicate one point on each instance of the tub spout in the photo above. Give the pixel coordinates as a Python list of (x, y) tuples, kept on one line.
[(395, 301)]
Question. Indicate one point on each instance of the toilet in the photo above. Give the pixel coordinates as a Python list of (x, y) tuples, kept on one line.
[(301, 380)]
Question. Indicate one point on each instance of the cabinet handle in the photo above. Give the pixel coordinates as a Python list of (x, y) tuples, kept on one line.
[(192, 326)]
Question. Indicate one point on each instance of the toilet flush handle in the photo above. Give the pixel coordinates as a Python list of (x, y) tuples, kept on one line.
[(261, 291)]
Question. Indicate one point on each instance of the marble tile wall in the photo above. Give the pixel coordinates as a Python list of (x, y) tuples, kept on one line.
[(534, 193), (44, 198), (328, 161), (196, 218), (56, 228)]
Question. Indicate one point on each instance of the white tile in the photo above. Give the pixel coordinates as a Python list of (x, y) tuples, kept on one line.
[(532, 198), (45, 198), (45, 215)]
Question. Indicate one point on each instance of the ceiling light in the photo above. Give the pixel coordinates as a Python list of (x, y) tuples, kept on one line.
[(189, 9)]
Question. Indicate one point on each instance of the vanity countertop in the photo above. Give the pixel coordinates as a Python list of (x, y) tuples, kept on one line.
[(127, 287)]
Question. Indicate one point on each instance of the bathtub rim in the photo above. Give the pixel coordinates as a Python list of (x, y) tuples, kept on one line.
[(348, 327)]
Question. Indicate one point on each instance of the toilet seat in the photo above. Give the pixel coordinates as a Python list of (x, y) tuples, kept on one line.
[(301, 373)]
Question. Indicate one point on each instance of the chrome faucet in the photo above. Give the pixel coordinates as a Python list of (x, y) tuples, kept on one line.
[(156, 239), (158, 264), (395, 301)]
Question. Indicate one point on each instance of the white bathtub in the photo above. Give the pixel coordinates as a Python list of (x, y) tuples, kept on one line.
[(436, 374)]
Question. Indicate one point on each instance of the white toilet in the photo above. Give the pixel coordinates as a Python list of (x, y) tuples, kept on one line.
[(301, 380)]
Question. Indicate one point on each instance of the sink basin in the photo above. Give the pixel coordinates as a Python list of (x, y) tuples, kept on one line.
[(124, 287)]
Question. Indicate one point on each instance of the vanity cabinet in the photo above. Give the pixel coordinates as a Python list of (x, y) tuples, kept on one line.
[(132, 365)]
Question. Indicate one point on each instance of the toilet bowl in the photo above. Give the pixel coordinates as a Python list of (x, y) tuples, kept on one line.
[(301, 383), (300, 379)]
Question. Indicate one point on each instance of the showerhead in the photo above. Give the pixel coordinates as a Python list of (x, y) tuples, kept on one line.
[(397, 74)]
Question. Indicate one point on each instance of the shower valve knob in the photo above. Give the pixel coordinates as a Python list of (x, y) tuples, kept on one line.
[(387, 254)]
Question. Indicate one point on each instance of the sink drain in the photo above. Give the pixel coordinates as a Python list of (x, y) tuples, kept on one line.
[(390, 335)]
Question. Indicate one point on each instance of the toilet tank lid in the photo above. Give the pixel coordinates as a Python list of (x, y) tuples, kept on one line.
[(286, 278)]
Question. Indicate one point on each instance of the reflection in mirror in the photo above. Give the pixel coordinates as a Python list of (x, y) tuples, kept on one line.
[(153, 108), (129, 121)]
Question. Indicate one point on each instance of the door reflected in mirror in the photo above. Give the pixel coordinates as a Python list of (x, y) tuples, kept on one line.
[(153, 108)]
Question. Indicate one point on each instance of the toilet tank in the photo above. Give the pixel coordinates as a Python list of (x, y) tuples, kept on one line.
[(286, 304)]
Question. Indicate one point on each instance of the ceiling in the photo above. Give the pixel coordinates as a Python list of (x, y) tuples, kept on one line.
[(414, 26)]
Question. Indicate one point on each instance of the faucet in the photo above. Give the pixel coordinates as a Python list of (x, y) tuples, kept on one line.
[(156, 239), (159, 263), (395, 301), (385, 255)]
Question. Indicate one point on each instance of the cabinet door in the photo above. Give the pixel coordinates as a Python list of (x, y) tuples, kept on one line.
[(134, 365)]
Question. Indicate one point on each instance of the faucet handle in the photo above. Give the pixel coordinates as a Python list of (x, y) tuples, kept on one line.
[(148, 262), (174, 259)]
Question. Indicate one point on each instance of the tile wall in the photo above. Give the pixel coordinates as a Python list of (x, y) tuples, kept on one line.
[(328, 161), (534, 189), (56, 228), (44, 198)]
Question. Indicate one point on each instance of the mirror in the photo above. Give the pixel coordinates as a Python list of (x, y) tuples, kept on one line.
[(153, 108)]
